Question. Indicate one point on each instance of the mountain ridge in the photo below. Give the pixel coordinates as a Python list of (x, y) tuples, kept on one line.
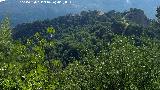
[(21, 13)]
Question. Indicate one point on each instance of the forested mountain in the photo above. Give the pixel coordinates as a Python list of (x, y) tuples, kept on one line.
[(92, 50), (94, 25), (20, 12), (83, 45), (83, 19)]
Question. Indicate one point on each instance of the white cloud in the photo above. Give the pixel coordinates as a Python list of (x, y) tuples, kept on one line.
[(2, 0)]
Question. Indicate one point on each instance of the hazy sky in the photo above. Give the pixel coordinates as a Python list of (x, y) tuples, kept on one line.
[(128, 1)]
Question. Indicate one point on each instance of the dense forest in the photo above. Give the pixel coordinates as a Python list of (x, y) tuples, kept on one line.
[(92, 50)]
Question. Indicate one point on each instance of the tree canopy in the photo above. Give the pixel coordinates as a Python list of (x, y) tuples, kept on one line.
[(89, 51)]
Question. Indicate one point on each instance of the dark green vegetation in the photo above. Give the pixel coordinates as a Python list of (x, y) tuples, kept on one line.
[(90, 51)]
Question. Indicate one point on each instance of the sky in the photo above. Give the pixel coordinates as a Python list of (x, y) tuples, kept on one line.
[(127, 1), (2, 0)]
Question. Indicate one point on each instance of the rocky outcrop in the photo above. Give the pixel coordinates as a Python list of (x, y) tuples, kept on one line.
[(137, 16)]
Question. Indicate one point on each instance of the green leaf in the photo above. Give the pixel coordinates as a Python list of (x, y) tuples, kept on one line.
[(51, 30)]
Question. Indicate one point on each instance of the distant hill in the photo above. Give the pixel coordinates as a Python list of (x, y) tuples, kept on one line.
[(61, 23), (20, 13)]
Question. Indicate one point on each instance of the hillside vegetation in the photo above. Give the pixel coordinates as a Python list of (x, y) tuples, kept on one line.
[(92, 50)]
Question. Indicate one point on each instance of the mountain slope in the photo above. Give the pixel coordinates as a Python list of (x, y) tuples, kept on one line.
[(134, 16), (20, 12)]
